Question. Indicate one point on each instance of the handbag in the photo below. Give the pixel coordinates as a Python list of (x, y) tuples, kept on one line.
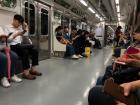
[(26, 46), (117, 92), (26, 43), (132, 50)]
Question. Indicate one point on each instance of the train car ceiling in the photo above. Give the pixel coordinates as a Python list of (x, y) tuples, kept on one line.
[(63, 3), (79, 10), (108, 10)]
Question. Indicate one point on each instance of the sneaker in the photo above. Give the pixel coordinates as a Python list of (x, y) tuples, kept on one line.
[(16, 79), (5, 83), (80, 56), (74, 57)]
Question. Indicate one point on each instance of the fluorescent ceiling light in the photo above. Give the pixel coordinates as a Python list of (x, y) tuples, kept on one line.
[(91, 9), (119, 19), (119, 15), (97, 16), (117, 1), (118, 8), (101, 19), (83, 2)]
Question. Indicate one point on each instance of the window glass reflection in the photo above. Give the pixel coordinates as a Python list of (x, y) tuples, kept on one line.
[(73, 24), (65, 21), (31, 23), (44, 22)]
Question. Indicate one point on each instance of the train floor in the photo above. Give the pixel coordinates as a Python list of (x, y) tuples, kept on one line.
[(64, 82)]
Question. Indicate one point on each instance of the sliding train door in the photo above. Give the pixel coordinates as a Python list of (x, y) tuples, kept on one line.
[(43, 30), (37, 16)]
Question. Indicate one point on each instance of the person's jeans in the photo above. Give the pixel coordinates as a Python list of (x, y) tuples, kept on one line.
[(69, 50), (125, 74), (108, 73), (25, 55), (98, 97), (4, 63)]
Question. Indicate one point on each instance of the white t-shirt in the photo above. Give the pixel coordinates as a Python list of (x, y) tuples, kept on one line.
[(11, 29), (8, 29)]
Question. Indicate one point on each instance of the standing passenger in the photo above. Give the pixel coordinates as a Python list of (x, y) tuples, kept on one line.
[(119, 37)]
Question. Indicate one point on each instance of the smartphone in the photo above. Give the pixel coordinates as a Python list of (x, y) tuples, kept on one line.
[(10, 34), (24, 25), (117, 92), (119, 62)]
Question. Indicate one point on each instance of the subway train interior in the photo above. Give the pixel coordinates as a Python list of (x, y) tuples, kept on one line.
[(63, 52)]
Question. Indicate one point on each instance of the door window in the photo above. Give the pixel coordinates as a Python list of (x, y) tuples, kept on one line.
[(30, 20), (44, 22)]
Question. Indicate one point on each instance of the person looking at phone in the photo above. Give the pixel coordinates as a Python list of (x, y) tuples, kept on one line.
[(132, 62), (19, 28)]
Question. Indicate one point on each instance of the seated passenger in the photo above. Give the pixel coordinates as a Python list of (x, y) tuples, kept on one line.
[(126, 71), (87, 42), (18, 28), (5, 74), (84, 42), (59, 35), (70, 51), (59, 31), (81, 41), (117, 51), (98, 97), (90, 39), (97, 42), (67, 36), (75, 41)]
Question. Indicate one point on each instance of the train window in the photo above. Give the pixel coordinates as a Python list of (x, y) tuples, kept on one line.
[(44, 22), (26, 12), (57, 15), (73, 24), (86, 27), (31, 23), (83, 27), (64, 21), (32, 19)]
